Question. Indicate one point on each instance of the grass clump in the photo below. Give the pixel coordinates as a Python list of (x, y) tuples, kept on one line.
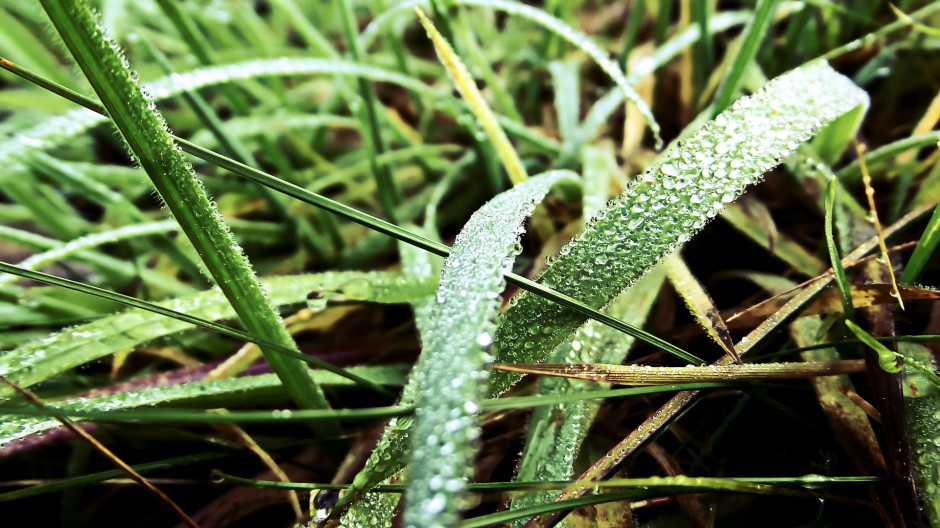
[(142, 286)]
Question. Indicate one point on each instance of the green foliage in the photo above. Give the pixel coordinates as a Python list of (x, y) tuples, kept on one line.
[(42, 359), (346, 135), (671, 201)]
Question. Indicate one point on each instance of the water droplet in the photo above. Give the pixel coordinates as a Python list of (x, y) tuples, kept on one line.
[(316, 301)]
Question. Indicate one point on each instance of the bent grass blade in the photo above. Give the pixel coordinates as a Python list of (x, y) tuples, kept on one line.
[(664, 207)]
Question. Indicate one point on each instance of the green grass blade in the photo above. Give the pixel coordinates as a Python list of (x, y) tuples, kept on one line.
[(389, 195), (556, 432), (251, 389), (38, 361), (745, 220), (702, 54), (663, 208), (452, 382), (146, 136), (64, 251), (754, 33), (105, 263), (566, 85), (924, 252), (842, 281), (885, 155), (831, 142), (375, 507)]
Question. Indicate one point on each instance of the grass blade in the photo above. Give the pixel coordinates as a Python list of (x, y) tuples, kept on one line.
[(842, 281), (64, 251), (663, 208), (375, 507), (146, 136), (754, 33), (40, 360), (452, 381), (389, 194), (925, 250), (699, 303), (680, 402), (640, 375), (253, 389), (556, 433)]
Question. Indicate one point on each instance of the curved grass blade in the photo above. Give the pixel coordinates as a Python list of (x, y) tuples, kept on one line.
[(671, 201), (64, 251), (375, 507), (145, 133), (449, 376), (40, 360), (452, 382)]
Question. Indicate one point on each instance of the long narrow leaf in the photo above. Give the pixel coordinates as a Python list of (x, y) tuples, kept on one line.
[(452, 382), (556, 432), (671, 201), (208, 393), (146, 135), (42, 359)]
